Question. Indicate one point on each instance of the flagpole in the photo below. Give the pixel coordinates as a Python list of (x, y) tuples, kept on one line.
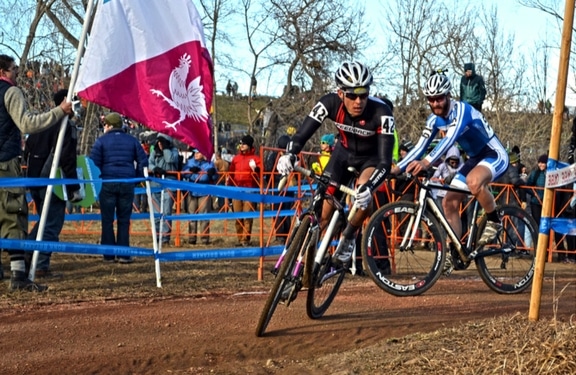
[(60, 141), (155, 244), (543, 237)]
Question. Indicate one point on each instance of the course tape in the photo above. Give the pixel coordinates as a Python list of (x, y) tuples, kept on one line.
[(563, 226), (208, 216), (96, 249), (232, 192)]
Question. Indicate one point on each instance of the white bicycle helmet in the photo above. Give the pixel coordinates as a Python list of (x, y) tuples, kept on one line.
[(437, 84), (351, 75)]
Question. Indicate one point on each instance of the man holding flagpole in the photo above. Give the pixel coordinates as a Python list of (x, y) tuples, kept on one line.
[(15, 119)]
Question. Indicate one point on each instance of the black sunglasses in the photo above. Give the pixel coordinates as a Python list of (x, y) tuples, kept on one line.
[(355, 96), (436, 99)]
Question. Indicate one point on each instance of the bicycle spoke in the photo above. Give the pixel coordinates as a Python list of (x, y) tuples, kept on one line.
[(325, 283), (507, 264), (402, 270), (287, 277)]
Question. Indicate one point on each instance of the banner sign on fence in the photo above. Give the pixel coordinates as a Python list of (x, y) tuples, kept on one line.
[(560, 177)]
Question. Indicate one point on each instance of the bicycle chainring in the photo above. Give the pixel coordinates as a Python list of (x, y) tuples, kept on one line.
[(456, 261)]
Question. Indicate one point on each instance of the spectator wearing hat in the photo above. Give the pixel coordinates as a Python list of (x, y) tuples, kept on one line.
[(512, 177), (326, 146), (472, 87), (163, 159), (244, 172), (405, 148), (118, 155), (537, 178), (199, 170), (446, 171), (38, 154)]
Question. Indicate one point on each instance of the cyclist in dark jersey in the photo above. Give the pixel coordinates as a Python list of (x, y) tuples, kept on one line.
[(365, 141)]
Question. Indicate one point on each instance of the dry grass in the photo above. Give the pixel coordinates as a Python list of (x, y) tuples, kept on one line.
[(506, 345)]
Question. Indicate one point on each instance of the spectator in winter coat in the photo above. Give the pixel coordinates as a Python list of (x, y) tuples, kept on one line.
[(512, 177), (446, 171), (537, 178), (472, 87), (202, 171), (244, 172), (163, 158), (326, 147), (118, 155)]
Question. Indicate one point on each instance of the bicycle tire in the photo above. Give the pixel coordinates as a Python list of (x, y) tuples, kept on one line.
[(284, 275), (323, 288), (403, 272), (510, 268)]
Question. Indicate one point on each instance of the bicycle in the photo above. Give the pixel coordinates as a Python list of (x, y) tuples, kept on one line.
[(306, 261), (404, 245)]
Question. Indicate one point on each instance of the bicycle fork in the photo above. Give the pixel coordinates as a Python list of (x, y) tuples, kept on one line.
[(326, 240)]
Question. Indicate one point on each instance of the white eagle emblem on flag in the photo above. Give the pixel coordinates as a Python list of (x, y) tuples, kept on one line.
[(189, 101)]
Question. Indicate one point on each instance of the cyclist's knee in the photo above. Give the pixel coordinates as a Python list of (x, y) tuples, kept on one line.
[(478, 179)]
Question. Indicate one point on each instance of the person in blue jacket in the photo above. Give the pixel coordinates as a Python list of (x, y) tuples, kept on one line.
[(199, 170), (118, 155)]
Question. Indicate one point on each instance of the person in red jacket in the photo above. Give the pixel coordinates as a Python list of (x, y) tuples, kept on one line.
[(244, 171)]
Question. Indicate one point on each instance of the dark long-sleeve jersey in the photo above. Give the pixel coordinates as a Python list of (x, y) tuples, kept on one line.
[(369, 135)]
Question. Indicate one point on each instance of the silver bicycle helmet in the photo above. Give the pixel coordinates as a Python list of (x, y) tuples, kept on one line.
[(437, 84), (351, 75)]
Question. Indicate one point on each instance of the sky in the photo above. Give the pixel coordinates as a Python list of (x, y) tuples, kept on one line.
[(528, 25)]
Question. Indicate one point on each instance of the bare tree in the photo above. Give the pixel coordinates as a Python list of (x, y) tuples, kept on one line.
[(547, 6), (424, 36), (216, 12), (505, 77), (316, 36)]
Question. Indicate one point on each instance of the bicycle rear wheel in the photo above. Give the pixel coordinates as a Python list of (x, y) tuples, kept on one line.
[(285, 275), (507, 264), (400, 270)]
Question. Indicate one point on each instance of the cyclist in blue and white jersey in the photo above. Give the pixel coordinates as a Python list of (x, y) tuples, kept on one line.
[(487, 161)]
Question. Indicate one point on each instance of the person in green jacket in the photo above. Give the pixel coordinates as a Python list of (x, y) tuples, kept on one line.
[(472, 87)]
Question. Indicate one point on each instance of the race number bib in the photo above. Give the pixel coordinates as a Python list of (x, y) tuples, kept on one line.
[(318, 113), (387, 125)]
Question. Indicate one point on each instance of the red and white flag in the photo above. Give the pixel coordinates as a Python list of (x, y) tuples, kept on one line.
[(147, 59)]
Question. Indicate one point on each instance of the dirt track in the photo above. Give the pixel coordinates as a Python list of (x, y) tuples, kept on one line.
[(214, 333)]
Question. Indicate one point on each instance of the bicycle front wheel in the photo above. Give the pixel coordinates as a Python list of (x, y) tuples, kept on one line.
[(396, 267), (507, 264), (325, 282), (285, 278)]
